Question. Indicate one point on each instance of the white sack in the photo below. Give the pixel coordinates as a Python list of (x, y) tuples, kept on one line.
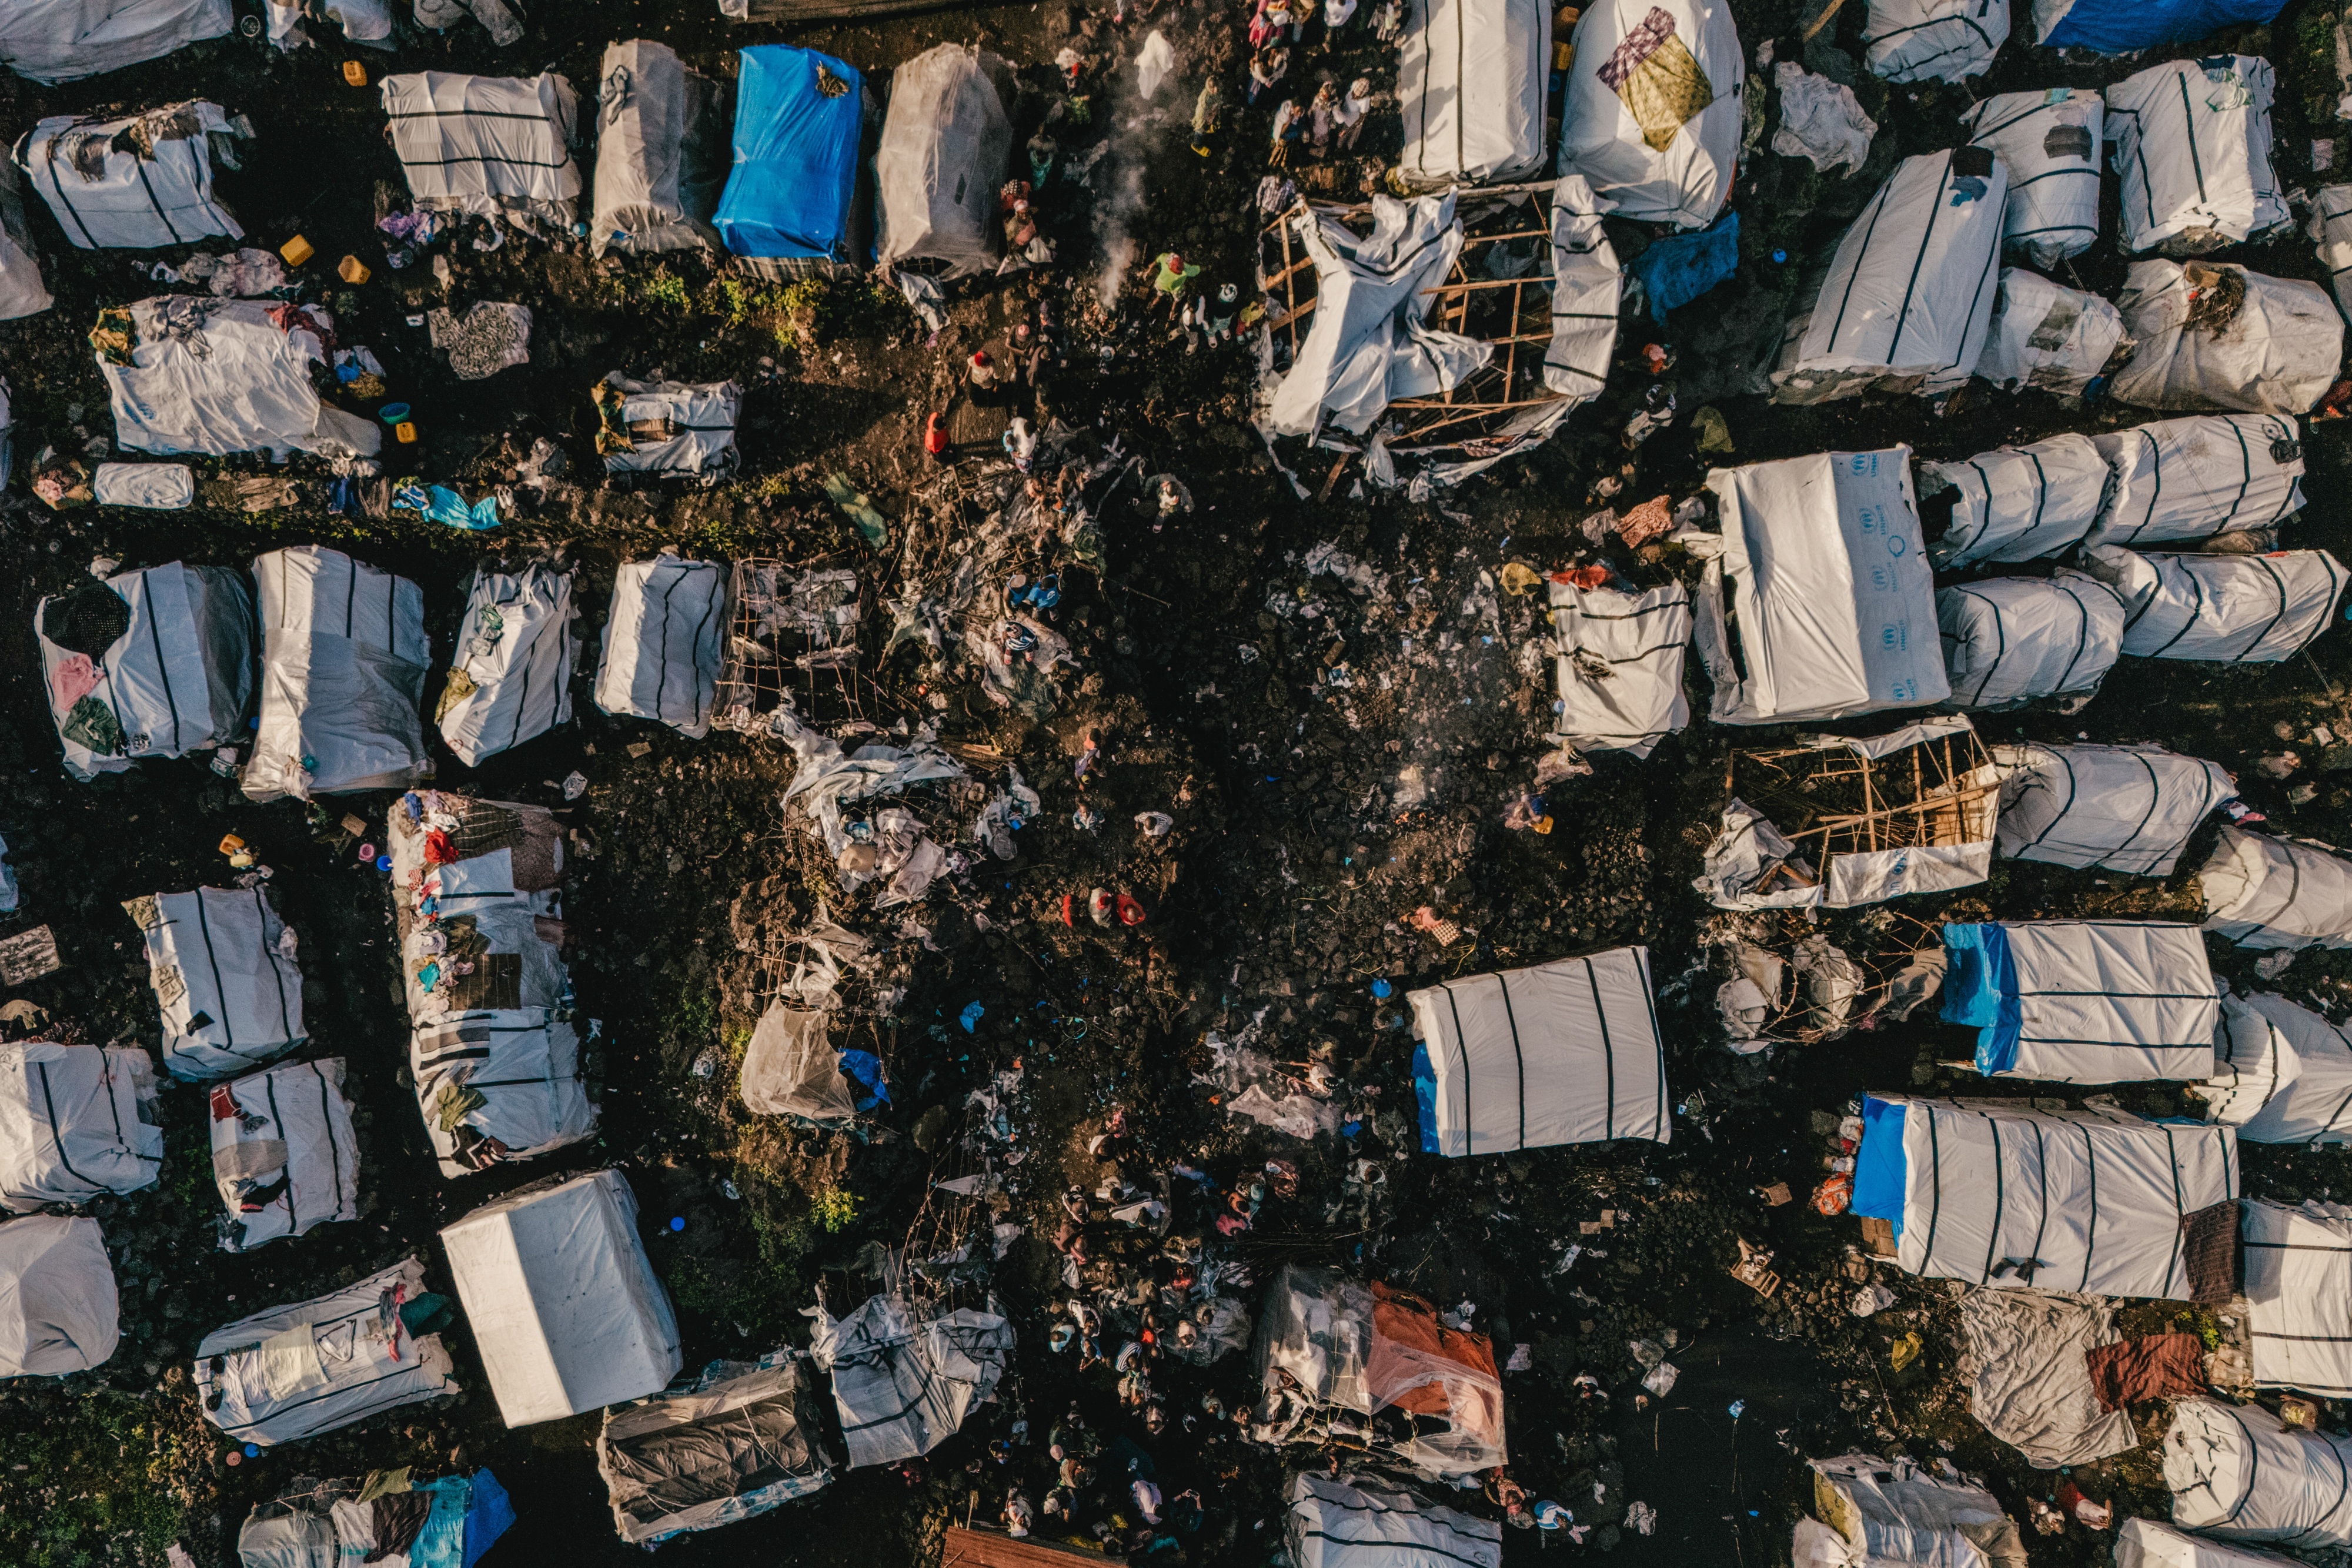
[(2238, 1475), (2129, 808), (1893, 1514), (2279, 353), (2044, 335), (1628, 124), (2282, 1073), (902, 1385), (511, 679), (2228, 609), (524, 1065), (1586, 288), (2050, 142), (654, 117), (1619, 665), (946, 145), (157, 487), (58, 1310), (220, 376), (2182, 480), (2013, 640), (343, 670), (22, 291), (671, 427), (2298, 1290), (2192, 147), (76, 1121), (105, 194), (2146, 1543), (2020, 503), (223, 969), (561, 1298), (498, 146), (662, 643), (1365, 1522), (1564, 1052), (284, 1155), (294, 1372), (53, 41), (1472, 86), (178, 681), (1933, 40), (2100, 1001), (1909, 298), (2265, 891), (2030, 1385)]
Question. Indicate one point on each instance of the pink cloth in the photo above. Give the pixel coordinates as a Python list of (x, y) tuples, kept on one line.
[(74, 678)]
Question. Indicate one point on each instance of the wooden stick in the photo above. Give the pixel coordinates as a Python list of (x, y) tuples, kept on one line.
[(1820, 21)]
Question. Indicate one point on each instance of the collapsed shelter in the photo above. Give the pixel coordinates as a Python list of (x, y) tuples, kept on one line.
[(2282, 1073), (741, 1440), (2262, 891)]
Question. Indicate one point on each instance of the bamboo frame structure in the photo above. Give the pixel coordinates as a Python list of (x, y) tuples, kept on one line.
[(1830, 800)]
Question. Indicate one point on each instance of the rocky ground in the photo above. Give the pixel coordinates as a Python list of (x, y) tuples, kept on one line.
[(1336, 751)]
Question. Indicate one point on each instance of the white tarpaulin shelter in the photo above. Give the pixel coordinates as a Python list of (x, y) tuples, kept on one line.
[(1820, 603), (2030, 1385), (1994, 1192), (2049, 142), (21, 290), (1472, 87), (2083, 1001), (660, 159), (1933, 40), (2238, 1474), (511, 679), (179, 680), (1651, 118), (2282, 1073), (667, 427), (58, 1311), (561, 1298), (2298, 1290), (131, 183), (2182, 480), (1365, 1521), (76, 1121), (1368, 343), (1586, 287), (1619, 665), (2012, 640), (662, 641), (499, 146), (946, 144), (2225, 609), (2271, 345), (223, 967), (499, 1085), (296, 1371), (1889, 1513), (2146, 1543), (343, 658), (741, 1440), (2329, 226), (50, 41), (1564, 1052), (284, 1155), (2048, 336), (903, 1383), (2266, 891), (1909, 298), (2192, 147), (2126, 807), (2017, 502), (197, 375)]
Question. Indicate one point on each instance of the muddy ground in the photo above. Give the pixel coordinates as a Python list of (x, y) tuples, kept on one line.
[(1279, 898)]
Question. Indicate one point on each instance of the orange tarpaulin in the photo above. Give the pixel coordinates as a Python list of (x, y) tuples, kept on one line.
[(1421, 1365)]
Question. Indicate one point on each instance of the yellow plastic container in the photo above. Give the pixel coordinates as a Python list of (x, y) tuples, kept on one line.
[(404, 432), (352, 269), (355, 73), (296, 251), (230, 844)]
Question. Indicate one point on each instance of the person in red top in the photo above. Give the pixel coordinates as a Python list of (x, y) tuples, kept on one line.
[(935, 438)]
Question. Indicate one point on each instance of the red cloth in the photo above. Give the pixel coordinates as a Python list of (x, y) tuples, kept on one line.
[(2155, 1366), (438, 849)]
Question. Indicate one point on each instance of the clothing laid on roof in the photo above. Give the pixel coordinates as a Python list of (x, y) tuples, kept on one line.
[(2282, 1073), (738, 1441), (2262, 891), (903, 1383), (1933, 40), (2238, 1474), (223, 967), (2228, 608), (666, 427), (2192, 147), (2181, 480), (496, 146), (2031, 1386), (1471, 85), (2083, 1001), (284, 1155), (511, 679), (2130, 808), (2298, 1290), (2210, 335), (76, 1121), (2013, 639), (222, 376), (2050, 142), (946, 146), (177, 680), (662, 643), (53, 41), (2014, 503), (343, 661), (59, 1308), (2048, 336), (1621, 665), (1367, 1522), (661, 152), (137, 182), (798, 116), (293, 1371), (1651, 116)]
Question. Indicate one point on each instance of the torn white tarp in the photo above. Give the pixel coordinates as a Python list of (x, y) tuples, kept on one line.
[(661, 152), (285, 1157), (1472, 86), (904, 1384), (59, 1311), (1586, 287), (2013, 640), (21, 290), (2213, 335), (1368, 344), (2237, 1473), (52, 41), (223, 968), (2049, 141), (2048, 336), (1821, 602), (1365, 1522), (2192, 148), (2083, 1001), (2266, 891), (1909, 298), (76, 1121), (2030, 1385), (1652, 117), (1933, 40), (2298, 1290), (666, 427), (828, 779), (662, 641), (2146, 1543), (296, 1371), (1821, 120), (946, 145), (792, 1068), (343, 661), (511, 679), (498, 146), (1889, 1513), (2182, 480), (179, 679), (1619, 665), (2130, 808), (2228, 608), (221, 376), (136, 183), (2015, 503), (2282, 1073), (152, 486)]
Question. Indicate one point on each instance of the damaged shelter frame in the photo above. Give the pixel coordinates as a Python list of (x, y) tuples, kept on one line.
[(785, 617), (1927, 795)]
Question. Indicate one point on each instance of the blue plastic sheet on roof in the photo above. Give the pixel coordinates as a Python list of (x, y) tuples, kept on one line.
[(795, 156), (2119, 26), (1980, 991), (1680, 267), (1878, 1167), (1424, 1094)]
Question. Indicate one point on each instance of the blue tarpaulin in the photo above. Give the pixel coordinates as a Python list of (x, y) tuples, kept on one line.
[(1680, 267), (488, 1516), (798, 115), (2119, 26), (1878, 1165), (1424, 1094), (1980, 991), (865, 1069)]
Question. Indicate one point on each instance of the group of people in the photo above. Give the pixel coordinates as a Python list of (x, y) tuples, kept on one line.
[(1328, 121)]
